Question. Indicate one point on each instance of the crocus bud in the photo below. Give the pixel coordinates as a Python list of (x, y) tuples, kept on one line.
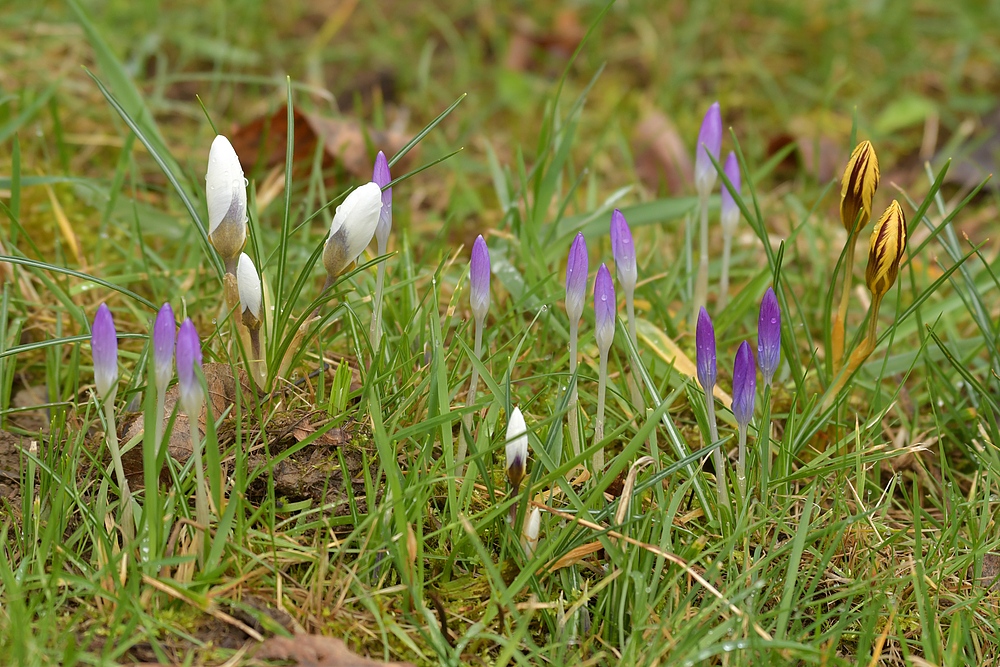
[(885, 250), (352, 228), (479, 279), (248, 283), (576, 278), (164, 329), (704, 344), (517, 448), (859, 184), (104, 348), (769, 336), (226, 192), (730, 212), (529, 538), (744, 385), (381, 177), (604, 309), (709, 141), (623, 252), (188, 360)]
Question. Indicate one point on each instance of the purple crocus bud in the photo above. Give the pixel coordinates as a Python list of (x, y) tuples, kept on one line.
[(704, 343), (188, 359), (744, 385), (104, 348), (164, 329), (730, 215), (382, 178), (576, 278), (623, 251), (769, 336), (709, 141), (479, 279), (604, 309)]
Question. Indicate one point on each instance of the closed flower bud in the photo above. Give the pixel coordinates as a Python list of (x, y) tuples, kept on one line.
[(604, 309), (769, 336), (532, 526), (352, 228), (381, 177), (744, 385), (859, 185), (226, 192), (188, 362), (164, 330), (709, 142), (704, 343), (248, 283), (479, 279), (885, 251), (104, 348), (517, 448), (623, 252), (576, 278), (730, 212)]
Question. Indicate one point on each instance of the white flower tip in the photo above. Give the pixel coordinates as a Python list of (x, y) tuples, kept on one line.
[(225, 187), (248, 283)]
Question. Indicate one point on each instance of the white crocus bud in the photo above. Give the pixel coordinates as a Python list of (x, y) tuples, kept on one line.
[(517, 448), (249, 286), (352, 228), (529, 538), (226, 192)]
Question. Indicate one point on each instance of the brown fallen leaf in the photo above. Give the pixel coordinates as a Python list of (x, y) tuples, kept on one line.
[(317, 651), (660, 151)]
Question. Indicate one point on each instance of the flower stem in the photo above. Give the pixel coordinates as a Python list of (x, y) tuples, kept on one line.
[(701, 284), (859, 355), (574, 423), (727, 248), (470, 399), (602, 388), (764, 445), (127, 522), (632, 382), (201, 491), (741, 461), (376, 330), (839, 326), (717, 455)]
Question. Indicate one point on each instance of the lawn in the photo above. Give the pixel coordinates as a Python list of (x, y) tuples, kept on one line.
[(432, 448)]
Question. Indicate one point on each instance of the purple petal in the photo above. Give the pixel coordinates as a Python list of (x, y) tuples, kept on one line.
[(709, 141), (576, 277), (730, 211), (164, 329), (479, 278), (769, 336), (382, 178), (623, 251), (604, 308), (744, 385), (104, 348), (705, 351), (188, 359)]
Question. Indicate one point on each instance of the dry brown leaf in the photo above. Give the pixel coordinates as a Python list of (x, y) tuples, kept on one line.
[(660, 152), (317, 651), (574, 556)]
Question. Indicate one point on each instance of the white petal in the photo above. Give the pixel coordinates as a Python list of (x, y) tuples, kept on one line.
[(517, 437), (358, 216), (225, 186), (248, 283)]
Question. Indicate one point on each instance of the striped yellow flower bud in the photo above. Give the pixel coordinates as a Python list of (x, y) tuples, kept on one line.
[(886, 250), (859, 185)]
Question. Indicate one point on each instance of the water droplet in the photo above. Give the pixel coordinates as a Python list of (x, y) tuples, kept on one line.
[(604, 297), (774, 320), (213, 320)]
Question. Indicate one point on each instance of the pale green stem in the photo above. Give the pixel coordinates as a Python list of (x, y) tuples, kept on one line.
[(741, 470), (688, 253), (470, 398), (764, 445), (574, 423), (717, 456), (633, 383), (727, 247), (376, 330), (602, 388), (127, 522), (201, 491), (161, 399), (701, 284)]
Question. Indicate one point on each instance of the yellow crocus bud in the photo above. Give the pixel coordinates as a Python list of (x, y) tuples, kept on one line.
[(886, 250), (859, 185)]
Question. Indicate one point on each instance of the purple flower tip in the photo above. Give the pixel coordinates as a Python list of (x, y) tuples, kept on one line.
[(163, 346), (730, 211), (769, 336), (623, 251), (479, 278), (188, 359), (744, 385), (709, 141), (704, 343), (604, 308), (576, 277), (104, 348), (382, 178)]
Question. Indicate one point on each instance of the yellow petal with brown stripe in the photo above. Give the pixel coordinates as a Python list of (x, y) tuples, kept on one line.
[(885, 250), (859, 185)]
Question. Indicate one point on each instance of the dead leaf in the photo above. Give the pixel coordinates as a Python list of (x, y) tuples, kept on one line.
[(262, 142), (317, 651), (660, 152), (561, 39), (991, 571)]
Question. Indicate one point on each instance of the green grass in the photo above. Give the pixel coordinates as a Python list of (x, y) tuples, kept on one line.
[(869, 543)]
